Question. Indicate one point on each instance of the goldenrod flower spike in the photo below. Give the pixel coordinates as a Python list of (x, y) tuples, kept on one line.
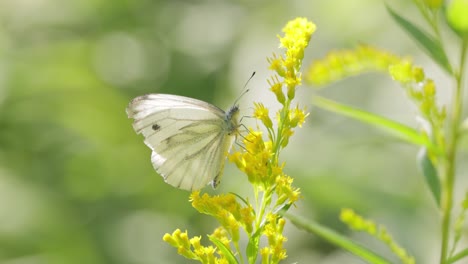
[(358, 223), (338, 65), (259, 161)]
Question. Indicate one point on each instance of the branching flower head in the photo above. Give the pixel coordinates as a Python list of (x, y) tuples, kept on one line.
[(258, 159), (338, 65)]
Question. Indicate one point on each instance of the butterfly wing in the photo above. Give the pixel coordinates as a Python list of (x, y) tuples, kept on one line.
[(189, 138)]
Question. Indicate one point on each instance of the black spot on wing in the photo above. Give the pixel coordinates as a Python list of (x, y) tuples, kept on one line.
[(156, 127)]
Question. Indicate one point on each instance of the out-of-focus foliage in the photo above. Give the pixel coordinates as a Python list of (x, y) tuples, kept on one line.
[(76, 182)]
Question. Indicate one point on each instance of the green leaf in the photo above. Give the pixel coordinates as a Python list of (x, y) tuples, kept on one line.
[(336, 239), (241, 198), (284, 208), (226, 251), (431, 46), (430, 174), (253, 245), (458, 256), (401, 131)]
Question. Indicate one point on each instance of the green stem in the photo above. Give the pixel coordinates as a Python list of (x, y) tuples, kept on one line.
[(279, 133), (258, 205), (266, 201), (447, 199), (241, 256)]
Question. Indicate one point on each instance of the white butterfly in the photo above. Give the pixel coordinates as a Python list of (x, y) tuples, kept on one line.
[(189, 138)]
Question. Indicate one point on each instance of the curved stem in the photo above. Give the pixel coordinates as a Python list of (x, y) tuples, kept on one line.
[(449, 179)]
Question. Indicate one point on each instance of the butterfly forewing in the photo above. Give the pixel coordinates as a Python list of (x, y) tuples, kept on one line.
[(189, 138)]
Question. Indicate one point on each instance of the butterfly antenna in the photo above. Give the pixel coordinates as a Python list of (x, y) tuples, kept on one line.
[(244, 89)]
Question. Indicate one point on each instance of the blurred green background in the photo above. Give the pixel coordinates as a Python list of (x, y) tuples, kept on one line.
[(76, 182)]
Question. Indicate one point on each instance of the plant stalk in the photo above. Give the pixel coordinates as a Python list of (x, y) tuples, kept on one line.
[(450, 163)]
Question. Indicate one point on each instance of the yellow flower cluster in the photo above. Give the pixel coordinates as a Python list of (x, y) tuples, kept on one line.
[(230, 214), (256, 160), (192, 248), (423, 91), (259, 160), (296, 37), (338, 65), (256, 163), (226, 209), (274, 252), (358, 223)]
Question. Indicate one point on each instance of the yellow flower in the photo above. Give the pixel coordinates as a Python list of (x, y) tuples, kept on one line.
[(255, 161), (195, 242), (402, 71), (297, 117), (276, 64), (292, 81), (297, 34), (287, 133), (248, 218), (171, 239), (221, 234), (232, 226), (277, 88), (180, 241), (285, 190), (261, 113), (219, 206), (265, 253)]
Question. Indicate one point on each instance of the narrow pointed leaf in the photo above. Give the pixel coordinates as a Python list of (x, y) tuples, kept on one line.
[(397, 129), (226, 251), (460, 255), (240, 197), (430, 174), (253, 246), (427, 42), (336, 239)]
